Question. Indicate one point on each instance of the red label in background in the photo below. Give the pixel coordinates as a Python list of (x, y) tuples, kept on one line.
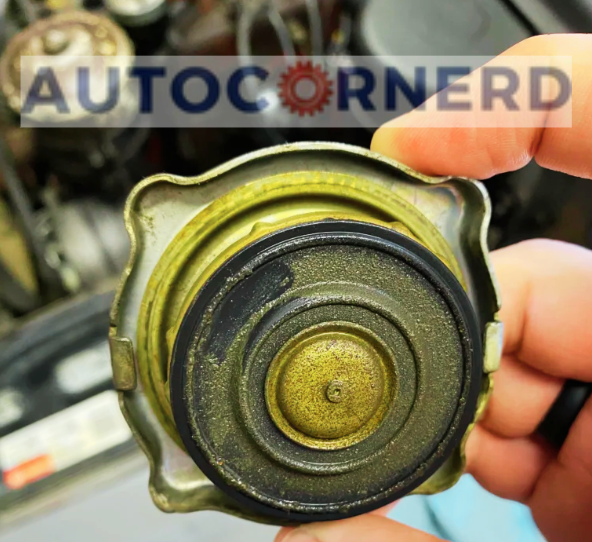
[(28, 472)]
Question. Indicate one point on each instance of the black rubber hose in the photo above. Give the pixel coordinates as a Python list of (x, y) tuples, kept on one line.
[(25, 215), (558, 421)]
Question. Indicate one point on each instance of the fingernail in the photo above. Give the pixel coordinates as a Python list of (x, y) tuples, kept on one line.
[(300, 535)]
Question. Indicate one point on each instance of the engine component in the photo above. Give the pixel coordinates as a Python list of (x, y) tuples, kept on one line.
[(79, 155), (484, 27), (60, 422), (85, 241), (249, 29), (16, 14), (69, 34), (24, 215), (53, 361), (18, 283), (213, 30), (136, 12), (13, 407), (305, 333), (383, 29), (146, 22)]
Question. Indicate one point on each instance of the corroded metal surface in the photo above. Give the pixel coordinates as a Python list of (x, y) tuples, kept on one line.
[(182, 231), (298, 280), (330, 386)]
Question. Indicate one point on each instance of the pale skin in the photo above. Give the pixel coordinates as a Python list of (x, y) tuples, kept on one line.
[(546, 291)]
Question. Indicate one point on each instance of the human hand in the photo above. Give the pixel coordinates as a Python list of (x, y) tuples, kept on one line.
[(546, 309)]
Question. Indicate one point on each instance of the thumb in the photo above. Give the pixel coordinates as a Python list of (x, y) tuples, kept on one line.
[(368, 528)]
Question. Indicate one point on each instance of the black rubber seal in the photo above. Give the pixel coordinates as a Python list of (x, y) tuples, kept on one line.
[(561, 416), (394, 243)]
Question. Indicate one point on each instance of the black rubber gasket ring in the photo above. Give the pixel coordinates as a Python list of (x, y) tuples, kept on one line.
[(425, 262)]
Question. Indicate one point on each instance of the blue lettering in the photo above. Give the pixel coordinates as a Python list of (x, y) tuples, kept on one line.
[(362, 94), (506, 93), (445, 88), (47, 76), (146, 75), (394, 81), (212, 96), (536, 100), (84, 90), (234, 89)]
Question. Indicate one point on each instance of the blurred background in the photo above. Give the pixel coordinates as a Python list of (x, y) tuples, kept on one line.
[(68, 466)]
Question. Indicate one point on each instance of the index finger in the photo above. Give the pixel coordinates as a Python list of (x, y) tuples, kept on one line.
[(483, 152)]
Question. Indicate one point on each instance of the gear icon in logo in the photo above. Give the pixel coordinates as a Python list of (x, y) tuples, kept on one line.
[(288, 91)]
